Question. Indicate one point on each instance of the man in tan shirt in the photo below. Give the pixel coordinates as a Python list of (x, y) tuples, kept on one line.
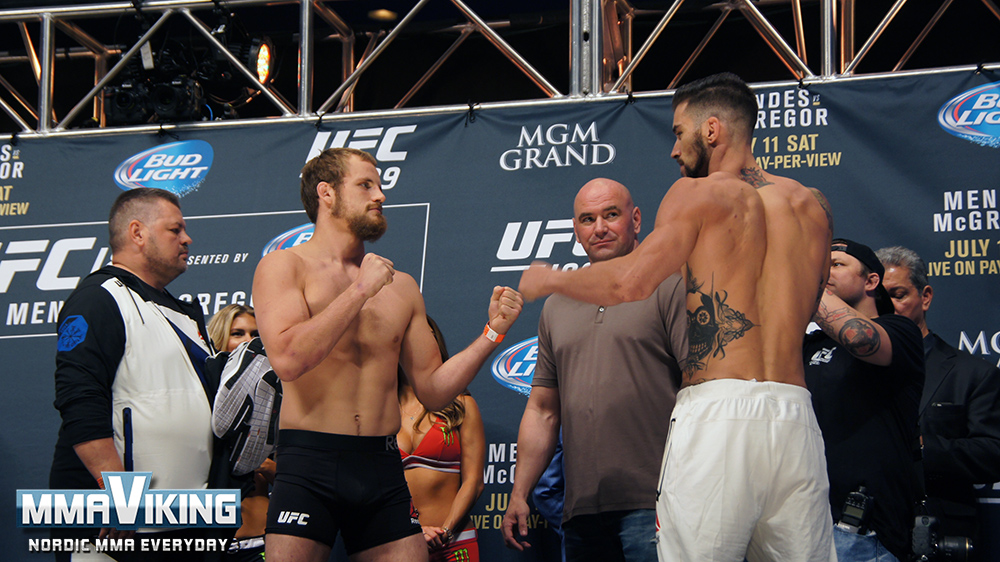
[(336, 322), (743, 470)]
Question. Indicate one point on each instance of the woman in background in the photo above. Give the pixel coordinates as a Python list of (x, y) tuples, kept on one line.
[(443, 454), (230, 327)]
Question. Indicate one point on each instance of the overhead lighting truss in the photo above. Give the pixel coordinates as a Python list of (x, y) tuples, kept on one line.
[(602, 61)]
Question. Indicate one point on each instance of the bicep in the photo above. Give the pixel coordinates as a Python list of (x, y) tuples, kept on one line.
[(279, 300), (669, 245), (419, 354)]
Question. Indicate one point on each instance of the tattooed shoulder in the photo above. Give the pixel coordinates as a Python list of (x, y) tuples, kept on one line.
[(754, 177), (825, 204)]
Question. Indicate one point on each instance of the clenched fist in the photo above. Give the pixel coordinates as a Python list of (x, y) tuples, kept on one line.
[(505, 306), (532, 284), (376, 272)]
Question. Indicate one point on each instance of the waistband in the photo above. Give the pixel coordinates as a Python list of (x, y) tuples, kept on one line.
[(733, 388), (333, 441), (464, 535), (245, 544)]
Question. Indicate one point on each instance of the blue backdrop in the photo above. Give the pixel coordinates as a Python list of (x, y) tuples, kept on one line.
[(471, 200)]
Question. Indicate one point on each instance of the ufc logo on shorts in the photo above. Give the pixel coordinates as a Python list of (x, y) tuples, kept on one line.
[(290, 517)]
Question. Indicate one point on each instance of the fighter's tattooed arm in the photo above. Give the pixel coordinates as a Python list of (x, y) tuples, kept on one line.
[(754, 177)]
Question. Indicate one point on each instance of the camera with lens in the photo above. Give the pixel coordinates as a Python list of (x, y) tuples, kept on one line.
[(929, 545)]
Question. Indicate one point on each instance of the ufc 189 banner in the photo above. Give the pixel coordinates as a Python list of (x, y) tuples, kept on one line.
[(472, 199)]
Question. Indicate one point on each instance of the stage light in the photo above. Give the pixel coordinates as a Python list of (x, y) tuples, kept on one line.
[(257, 53), (189, 79), (382, 15), (262, 54)]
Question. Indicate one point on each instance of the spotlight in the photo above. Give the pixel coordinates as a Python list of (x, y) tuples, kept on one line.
[(263, 54), (127, 104), (382, 15), (177, 100), (257, 53)]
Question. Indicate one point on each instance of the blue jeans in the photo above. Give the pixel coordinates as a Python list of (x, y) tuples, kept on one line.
[(852, 547), (615, 536)]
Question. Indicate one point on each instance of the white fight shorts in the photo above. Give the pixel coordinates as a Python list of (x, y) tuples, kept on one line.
[(744, 475)]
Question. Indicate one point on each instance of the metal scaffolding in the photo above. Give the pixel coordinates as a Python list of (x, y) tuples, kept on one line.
[(602, 61)]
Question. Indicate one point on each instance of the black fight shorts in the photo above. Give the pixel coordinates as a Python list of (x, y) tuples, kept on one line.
[(328, 483)]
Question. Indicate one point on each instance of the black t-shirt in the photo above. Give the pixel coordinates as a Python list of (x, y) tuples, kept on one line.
[(868, 415)]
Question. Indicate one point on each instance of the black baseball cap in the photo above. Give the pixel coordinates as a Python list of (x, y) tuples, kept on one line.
[(866, 256)]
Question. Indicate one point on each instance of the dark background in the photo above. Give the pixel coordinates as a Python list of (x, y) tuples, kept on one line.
[(477, 72)]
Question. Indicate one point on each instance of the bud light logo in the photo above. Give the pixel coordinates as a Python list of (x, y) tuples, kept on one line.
[(178, 167), (974, 115), (290, 239), (515, 367)]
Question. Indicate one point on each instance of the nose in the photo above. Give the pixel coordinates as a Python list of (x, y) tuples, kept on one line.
[(185, 239), (379, 195), (234, 342), (676, 150), (600, 226)]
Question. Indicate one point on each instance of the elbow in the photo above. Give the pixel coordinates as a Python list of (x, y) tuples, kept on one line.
[(631, 285), (287, 370), (432, 405), (475, 484), (630, 292)]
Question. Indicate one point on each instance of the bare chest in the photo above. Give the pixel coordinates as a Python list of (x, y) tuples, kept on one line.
[(381, 322)]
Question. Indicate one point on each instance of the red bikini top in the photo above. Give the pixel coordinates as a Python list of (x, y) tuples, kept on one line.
[(438, 450)]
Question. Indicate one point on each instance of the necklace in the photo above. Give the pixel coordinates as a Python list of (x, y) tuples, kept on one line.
[(411, 416)]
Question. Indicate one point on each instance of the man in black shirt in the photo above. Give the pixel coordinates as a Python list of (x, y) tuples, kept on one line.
[(865, 371), (959, 408)]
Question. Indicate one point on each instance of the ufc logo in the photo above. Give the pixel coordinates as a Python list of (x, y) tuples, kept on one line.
[(49, 276), (364, 139), (293, 517), (556, 232)]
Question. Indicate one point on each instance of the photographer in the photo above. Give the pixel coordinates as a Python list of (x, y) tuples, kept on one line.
[(959, 409)]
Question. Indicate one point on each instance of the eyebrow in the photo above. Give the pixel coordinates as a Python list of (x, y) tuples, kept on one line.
[(604, 210)]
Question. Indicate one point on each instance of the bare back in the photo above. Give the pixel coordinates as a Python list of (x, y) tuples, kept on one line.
[(351, 390), (753, 275)]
